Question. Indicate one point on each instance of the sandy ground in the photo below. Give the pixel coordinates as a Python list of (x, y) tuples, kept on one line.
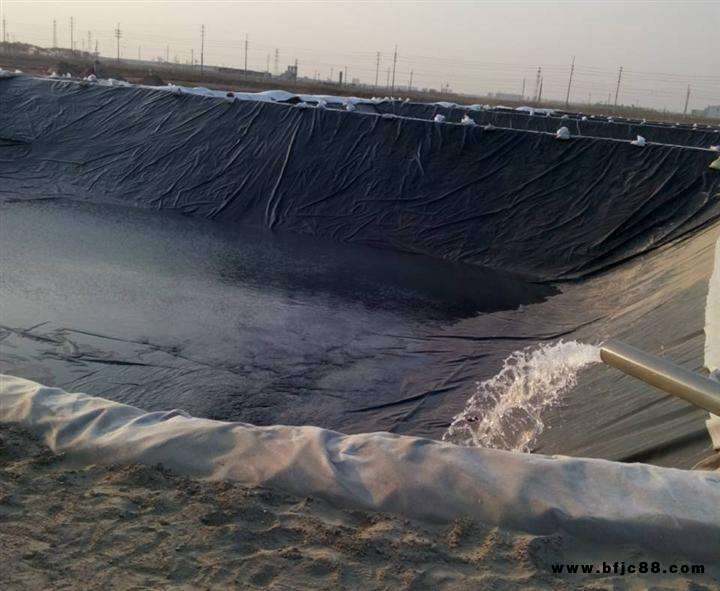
[(144, 528)]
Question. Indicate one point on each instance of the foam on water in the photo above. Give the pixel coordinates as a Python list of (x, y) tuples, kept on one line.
[(505, 411)]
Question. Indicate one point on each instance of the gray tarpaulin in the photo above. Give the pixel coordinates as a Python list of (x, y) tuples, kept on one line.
[(514, 200), (600, 127), (607, 502), (155, 310)]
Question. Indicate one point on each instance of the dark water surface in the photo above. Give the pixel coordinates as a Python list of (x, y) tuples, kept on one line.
[(163, 311)]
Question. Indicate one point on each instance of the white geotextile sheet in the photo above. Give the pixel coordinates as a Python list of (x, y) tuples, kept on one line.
[(609, 502)]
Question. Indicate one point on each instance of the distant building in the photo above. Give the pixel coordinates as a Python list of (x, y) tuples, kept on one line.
[(506, 96), (290, 74), (712, 111)]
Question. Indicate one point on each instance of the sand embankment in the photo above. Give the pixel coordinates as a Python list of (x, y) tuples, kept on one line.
[(139, 528)]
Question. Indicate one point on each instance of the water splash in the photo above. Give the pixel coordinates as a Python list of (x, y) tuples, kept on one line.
[(712, 339), (505, 411)]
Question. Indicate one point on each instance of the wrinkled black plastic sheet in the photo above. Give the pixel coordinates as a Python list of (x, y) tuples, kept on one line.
[(165, 311), (519, 201), (513, 200), (600, 127)]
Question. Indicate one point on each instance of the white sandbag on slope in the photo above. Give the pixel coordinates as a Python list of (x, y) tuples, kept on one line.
[(663, 509)]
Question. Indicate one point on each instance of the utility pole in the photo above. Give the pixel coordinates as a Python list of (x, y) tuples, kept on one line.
[(538, 77), (387, 82), (410, 83), (54, 32), (572, 71), (617, 88), (202, 48), (377, 69), (346, 78), (540, 89), (192, 57), (246, 51), (72, 34), (522, 94), (97, 49), (118, 34), (687, 100), (89, 42), (393, 74), (267, 68), (277, 61)]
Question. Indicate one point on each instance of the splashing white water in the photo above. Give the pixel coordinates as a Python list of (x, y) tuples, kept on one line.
[(504, 412), (712, 317)]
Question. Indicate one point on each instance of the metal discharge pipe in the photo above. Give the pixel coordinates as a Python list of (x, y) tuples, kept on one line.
[(664, 375)]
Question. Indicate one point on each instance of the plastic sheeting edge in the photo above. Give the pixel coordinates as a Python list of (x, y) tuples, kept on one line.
[(663, 509)]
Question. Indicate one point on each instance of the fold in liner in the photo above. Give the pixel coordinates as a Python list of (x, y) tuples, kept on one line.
[(663, 509)]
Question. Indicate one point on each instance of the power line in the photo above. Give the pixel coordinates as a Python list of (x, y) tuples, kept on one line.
[(473, 76), (501, 65)]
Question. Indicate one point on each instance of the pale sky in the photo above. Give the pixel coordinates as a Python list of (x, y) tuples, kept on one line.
[(472, 46)]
